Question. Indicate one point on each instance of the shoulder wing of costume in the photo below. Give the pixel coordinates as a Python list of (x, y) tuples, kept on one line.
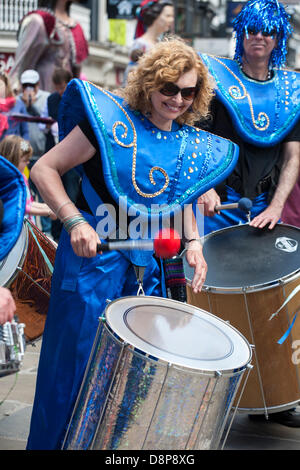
[(262, 112), (13, 196), (155, 170)]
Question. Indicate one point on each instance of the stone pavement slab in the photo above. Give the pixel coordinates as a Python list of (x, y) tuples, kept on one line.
[(16, 399), (248, 435)]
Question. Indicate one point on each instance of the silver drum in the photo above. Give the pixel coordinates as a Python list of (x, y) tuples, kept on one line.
[(161, 375)]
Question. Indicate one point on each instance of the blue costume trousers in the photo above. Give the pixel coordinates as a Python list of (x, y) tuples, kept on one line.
[(80, 288)]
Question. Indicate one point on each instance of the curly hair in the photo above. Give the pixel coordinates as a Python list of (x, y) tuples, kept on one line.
[(167, 62)]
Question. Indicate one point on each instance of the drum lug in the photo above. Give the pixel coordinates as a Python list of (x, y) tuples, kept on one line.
[(107, 301), (218, 374)]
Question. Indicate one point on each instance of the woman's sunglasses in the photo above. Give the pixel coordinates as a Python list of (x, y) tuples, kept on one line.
[(170, 89)]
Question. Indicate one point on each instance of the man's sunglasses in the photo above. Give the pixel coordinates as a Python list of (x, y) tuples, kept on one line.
[(170, 89), (253, 31)]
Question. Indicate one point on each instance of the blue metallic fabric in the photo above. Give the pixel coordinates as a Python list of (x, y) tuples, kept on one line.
[(263, 112), (196, 159), (263, 15), (13, 195)]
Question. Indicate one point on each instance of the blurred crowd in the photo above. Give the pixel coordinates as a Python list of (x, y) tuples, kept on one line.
[(51, 48)]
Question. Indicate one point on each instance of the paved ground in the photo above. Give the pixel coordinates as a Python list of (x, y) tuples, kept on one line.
[(16, 398)]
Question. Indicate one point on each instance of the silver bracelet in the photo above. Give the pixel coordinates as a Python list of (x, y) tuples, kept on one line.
[(61, 206), (77, 214), (73, 221)]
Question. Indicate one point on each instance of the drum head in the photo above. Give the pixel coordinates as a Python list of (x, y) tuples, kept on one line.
[(247, 257), (178, 333), (8, 266)]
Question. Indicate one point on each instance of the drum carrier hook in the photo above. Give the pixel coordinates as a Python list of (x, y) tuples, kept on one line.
[(139, 272)]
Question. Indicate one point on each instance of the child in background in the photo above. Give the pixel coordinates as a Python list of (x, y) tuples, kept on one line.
[(11, 104), (19, 151)]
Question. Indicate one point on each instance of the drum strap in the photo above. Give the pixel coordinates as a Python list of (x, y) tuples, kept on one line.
[(139, 272), (48, 262), (287, 333)]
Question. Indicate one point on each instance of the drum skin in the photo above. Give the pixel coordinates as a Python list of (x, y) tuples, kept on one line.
[(273, 384)]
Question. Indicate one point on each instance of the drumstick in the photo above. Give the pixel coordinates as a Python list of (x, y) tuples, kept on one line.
[(165, 245), (244, 205)]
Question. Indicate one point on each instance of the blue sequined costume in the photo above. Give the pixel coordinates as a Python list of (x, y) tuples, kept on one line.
[(160, 171), (263, 114)]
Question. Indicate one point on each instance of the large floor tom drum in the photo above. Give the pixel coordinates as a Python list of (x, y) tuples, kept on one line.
[(250, 274)]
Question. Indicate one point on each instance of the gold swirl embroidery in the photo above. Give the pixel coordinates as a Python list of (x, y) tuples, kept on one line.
[(235, 93), (134, 156)]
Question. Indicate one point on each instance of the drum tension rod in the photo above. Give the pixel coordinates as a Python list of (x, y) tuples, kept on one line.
[(32, 280)]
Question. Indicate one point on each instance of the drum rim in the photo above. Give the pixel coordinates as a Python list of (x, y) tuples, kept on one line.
[(253, 288), (224, 372), (24, 233)]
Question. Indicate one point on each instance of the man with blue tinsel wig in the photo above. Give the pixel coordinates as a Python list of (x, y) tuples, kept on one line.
[(257, 106)]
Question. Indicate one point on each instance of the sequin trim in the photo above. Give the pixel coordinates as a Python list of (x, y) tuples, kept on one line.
[(286, 86)]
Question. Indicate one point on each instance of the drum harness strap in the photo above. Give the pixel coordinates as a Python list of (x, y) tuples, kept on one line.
[(139, 272), (287, 333)]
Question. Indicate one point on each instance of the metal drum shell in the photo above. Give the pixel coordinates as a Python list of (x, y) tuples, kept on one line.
[(131, 400), (274, 383)]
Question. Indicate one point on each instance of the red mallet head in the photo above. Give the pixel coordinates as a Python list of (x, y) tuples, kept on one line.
[(167, 243)]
